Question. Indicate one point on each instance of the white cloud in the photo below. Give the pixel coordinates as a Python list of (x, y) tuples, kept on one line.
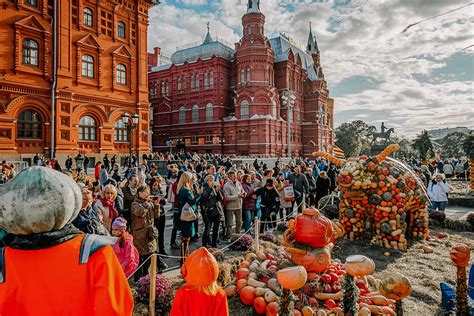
[(361, 39)]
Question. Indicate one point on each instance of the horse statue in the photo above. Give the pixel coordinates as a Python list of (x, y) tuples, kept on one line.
[(383, 135)]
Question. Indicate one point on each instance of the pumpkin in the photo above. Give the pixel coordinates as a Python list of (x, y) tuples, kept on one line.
[(311, 212), (315, 231), (201, 268), (349, 213), (244, 264), (260, 305), (270, 296), (358, 265), (272, 309), (387, 196), (375, 199), (316, 260), (240, 284), (230, 290), (247, 295), (242, 273), (292, 278), (395, 287), (460, 255), (307, 311), (38, 200), (386, 228)]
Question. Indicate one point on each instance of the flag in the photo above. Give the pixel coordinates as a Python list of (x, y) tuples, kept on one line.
[(337, 152)]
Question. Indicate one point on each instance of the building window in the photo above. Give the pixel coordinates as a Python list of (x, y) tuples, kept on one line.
[(197, 83), (242, 76), (274, 108), (162, 88), (167, 91), (87, 129), (244, 110), (87, 17), (249, 29), (179, 85), (206, 81), (121, 29), (87, 66), (209, 112), (194, 138), (120, 132), (195, 113), (192, 83), (30, 52), (211, 80), (32, 3), (208, 137), (121, 74), (182, 115), (248, 74), (29, 125)]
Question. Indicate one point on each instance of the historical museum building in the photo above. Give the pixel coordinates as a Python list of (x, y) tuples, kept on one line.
[(261, 97), (65, 82)]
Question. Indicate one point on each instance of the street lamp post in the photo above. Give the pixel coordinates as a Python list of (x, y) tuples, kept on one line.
[(130, 122), (321, 115), (288, 99)]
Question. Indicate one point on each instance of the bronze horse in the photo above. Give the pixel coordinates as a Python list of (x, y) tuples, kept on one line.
[(383, 135)]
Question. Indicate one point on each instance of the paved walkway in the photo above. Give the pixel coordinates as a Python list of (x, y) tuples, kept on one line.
[(458, 212)]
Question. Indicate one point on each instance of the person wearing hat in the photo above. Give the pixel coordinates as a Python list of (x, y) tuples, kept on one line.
[(126, 252), (49, 267), (201, 295)]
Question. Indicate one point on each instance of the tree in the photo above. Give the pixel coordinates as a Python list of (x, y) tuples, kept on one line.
[(423, 145), (354, 138), (452, 145), (468, 145)]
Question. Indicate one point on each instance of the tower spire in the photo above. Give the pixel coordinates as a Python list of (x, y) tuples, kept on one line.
[(312, 46), (208, 38), (253, 6)]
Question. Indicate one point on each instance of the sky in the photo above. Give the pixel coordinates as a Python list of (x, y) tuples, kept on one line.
[(419, 79)]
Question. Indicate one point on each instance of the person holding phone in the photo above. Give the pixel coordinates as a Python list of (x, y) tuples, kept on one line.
[(438, 191)]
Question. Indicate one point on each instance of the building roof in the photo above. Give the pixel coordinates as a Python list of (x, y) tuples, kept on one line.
[(282, 45), (207, 49)]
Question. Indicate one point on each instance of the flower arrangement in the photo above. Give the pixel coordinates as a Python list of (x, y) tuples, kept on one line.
[(163, 291), (241, 242)]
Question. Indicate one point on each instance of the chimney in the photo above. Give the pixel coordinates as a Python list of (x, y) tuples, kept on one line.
[(153, 58)]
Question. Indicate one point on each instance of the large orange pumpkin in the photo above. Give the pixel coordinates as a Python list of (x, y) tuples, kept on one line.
[(292, 278), (395, 287), (242, 273), (316, 260), (272, 309), (247, 295), (200, 268), (313, 229), (358, 265)]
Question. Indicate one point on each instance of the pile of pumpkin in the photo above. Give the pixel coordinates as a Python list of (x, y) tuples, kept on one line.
[(271, 290), (379, 196)]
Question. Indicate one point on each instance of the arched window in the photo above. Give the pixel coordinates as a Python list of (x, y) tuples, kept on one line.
[(29, 125), (121, 74), (211, 80), (30, 52), (88, 17), (120, 132), (244, 110), (242, 75), (87, 66), (206, 81), (197, 82), (87, 129), (167, 91), (274, 108), (248, 74), (249, 29), (195, 113), (182, 115), (163, 88), (121, 29), (209, 112), (193, 83)]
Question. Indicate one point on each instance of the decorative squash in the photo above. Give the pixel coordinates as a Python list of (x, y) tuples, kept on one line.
[(307, 311), (247, 295), (272, 309), (201, 268), (358, 265), (311, 212), (315, 231), (230, 290), (38, 200), (460, 255), (316, 260), (292, 278), (395, 287), (387, 196), (349, 213), (242, 273), (260, 305), (240, 284), (386, 228), (375, 199)]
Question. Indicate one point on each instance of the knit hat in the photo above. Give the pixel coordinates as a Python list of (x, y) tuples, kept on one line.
[(120, 223)]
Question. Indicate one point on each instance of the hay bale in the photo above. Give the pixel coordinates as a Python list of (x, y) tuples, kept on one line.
[(225, 274)]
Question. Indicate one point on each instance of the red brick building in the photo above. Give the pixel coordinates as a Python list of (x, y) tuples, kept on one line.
[(74, 101), (234, 100)]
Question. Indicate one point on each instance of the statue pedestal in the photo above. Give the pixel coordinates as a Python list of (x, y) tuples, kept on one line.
[(376, 149)]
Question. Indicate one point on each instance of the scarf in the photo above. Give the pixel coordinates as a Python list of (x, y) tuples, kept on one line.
[(44, 240), (111, 205), (133, 190)]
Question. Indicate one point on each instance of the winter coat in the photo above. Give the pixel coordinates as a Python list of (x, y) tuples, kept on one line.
[(186, 196), (210, 198), (88, 222), (188, 301), (144, 214), (437, 191), (448, 169), (249, 203), (281, 192), (128, 198), (311, 182), (103, 211), (270, 199), (300, 183), (323, 187), (231, 192), (104, 176), (127, 255)]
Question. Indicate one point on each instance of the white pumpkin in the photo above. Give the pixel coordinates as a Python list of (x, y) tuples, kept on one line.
[(38, 200)]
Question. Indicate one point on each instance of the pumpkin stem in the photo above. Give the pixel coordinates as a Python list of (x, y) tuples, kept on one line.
[(461, 292), (351, 296)]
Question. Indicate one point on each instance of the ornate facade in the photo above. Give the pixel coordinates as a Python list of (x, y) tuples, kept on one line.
[(235, 100), (99, 73)]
